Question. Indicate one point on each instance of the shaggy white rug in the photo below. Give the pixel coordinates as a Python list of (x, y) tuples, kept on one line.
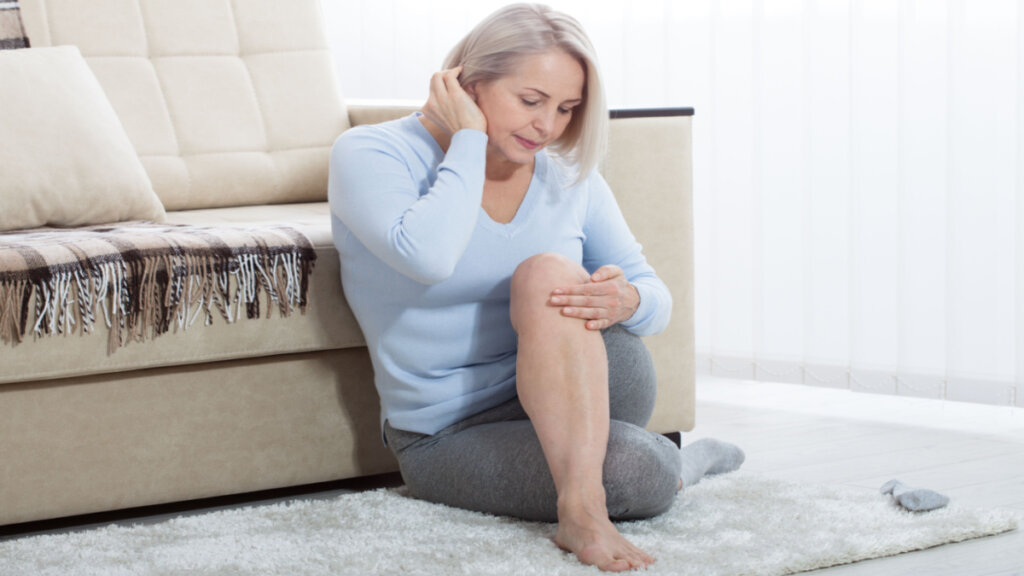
[(736, 524)]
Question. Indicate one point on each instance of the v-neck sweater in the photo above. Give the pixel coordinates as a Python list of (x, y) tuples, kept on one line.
[(427, 272)]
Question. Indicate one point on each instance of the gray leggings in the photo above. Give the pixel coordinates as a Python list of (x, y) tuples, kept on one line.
[(492, 461)]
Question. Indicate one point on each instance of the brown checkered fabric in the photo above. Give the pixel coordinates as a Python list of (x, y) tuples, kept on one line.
[(12, 33), (142, 279)]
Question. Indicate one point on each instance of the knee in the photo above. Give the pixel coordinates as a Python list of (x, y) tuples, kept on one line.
[(533, 281), (641, 473), (546, 271)]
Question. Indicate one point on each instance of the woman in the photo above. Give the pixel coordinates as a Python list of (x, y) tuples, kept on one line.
[(501, 294)]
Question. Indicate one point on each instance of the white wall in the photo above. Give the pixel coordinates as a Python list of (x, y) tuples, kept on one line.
[(859, 172)]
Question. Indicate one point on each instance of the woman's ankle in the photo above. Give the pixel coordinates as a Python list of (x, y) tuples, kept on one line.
[(582, 500)]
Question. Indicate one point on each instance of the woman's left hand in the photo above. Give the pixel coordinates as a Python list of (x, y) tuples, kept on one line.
[(606, 299)]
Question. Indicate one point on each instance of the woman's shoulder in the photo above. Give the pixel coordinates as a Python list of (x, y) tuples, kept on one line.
[(396, 131), (401, 137)]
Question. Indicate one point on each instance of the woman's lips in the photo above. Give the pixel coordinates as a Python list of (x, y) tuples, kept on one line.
[(528, 144)]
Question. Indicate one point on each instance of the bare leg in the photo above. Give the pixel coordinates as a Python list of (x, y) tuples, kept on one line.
[(562, 382)]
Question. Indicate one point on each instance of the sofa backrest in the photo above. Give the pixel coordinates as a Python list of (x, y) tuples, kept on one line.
[(227, 102)]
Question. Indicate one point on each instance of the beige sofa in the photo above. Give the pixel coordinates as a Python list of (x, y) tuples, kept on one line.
[(232, 108)]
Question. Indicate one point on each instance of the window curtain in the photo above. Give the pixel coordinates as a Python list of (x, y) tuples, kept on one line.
[(858, 172)]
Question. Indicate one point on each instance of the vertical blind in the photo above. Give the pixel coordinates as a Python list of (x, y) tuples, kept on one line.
[(858, 172)]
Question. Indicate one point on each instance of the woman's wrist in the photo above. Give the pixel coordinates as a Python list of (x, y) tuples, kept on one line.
[(634, 302)]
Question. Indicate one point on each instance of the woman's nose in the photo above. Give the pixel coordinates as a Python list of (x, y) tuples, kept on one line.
[(545, 120)]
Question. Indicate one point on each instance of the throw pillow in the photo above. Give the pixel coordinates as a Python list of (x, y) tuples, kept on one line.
[(66, 158)]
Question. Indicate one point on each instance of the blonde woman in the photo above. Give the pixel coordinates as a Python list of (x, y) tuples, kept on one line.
[(502, 294)]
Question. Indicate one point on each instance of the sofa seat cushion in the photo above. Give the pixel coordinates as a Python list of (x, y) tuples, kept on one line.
[(327, 323)]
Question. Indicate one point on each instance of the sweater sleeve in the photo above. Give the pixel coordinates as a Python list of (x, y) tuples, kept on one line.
[(608, 240), (373, 192)]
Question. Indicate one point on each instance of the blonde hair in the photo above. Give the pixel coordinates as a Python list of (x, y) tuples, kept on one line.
[(496, 46)]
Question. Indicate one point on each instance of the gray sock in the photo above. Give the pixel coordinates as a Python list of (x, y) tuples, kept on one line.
[(914, 499), (707, 457)]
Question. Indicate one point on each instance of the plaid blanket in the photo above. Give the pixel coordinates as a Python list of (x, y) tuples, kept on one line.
[(142, 279), (12, 34)]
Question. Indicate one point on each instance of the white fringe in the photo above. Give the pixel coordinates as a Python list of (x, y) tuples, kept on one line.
[(195, 286)]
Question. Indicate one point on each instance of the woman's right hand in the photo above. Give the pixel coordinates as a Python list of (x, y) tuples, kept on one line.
[(450, 107)]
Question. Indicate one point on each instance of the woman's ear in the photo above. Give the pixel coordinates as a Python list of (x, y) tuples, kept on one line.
[(471, 90)]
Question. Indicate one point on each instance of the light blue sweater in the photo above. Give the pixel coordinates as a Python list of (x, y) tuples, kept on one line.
[(427, 272)]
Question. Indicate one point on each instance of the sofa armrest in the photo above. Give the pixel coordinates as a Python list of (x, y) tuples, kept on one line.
[(649, 168)]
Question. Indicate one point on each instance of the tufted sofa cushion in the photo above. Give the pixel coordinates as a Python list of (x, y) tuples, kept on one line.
[(227, 102)]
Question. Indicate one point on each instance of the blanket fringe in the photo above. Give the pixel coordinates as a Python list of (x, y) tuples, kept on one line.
[(149, 296)]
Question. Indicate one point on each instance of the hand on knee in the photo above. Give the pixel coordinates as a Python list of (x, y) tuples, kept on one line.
[(550, 282), (533, 283), (605, 299)]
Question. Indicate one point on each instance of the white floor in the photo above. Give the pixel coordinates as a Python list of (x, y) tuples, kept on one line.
[(972, 453)]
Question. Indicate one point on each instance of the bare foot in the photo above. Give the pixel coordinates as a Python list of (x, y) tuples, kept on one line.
[(586, 531)]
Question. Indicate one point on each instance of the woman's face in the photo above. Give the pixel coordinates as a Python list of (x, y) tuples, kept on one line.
[(532, 107)]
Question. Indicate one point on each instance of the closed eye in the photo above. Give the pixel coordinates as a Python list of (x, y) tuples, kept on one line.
[(532, 103)]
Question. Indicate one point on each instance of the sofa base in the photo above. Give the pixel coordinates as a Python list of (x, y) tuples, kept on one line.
[(84, 445)]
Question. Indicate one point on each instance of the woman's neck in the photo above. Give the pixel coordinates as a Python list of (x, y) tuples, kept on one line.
[(500, 169)]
